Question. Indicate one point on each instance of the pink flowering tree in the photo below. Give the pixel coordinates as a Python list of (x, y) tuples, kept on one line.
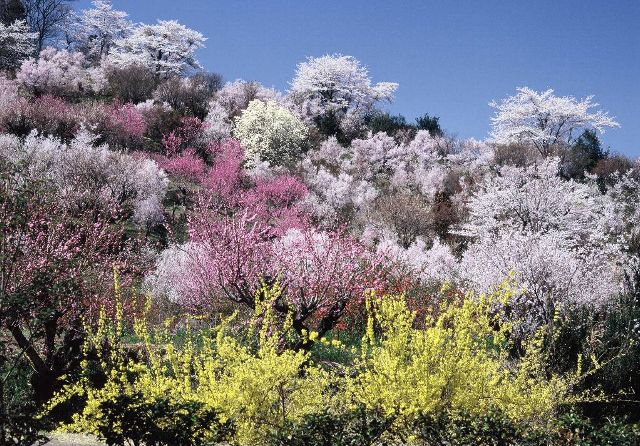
[(321, 274), (55, 270)]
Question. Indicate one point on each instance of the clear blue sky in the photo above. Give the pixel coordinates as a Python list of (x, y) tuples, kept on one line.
[(449, 57)]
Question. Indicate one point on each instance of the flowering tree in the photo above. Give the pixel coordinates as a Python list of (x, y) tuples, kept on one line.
[(91, 178), (16, 44), (167, 48), (269, 132), (544, 120), (320, 273), (338, 82), (55, 270), (61, 72), (337, 85), (98, 28), (230, 101), (552, 234)]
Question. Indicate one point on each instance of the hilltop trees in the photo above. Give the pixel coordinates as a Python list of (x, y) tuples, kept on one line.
[(45, 17), (98, 28), (544, 120), (166, 48), (336, 92)]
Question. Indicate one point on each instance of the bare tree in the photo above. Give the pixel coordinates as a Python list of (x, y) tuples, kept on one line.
[(45, 17)]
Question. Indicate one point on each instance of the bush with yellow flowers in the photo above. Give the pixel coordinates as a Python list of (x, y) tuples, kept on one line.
[(214, 389)]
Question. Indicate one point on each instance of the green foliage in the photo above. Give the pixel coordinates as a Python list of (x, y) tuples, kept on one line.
[(390, 124), (456, 428), (356, 427), (429, 123), (574, 429)]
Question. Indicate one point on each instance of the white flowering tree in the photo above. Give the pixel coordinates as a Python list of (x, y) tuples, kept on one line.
[(91, 176), (337, 85), (552, 234), (17, 43), (543, 120), (98, 28), (166, 48), (270, 132), (61, 72)]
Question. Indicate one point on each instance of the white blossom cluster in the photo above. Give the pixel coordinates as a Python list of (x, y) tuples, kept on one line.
[(270, 132), (552, 234), (81, 171), (543, 119), (61, 72)]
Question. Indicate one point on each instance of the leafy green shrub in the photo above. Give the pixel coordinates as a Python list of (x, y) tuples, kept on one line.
[(356, 427), (574, 429)]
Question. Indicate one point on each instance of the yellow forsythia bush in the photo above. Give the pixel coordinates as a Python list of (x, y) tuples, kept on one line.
[(457, 362)]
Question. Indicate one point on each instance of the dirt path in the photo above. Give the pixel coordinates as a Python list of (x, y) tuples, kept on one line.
[(73, 440)]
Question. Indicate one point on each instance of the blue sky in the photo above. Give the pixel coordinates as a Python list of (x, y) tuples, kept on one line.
[(450, 57)]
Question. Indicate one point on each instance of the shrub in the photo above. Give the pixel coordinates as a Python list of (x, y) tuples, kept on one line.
[(255, 391), (449, 382), (457, 363), (189, 96), (269, 132), (49, 115)]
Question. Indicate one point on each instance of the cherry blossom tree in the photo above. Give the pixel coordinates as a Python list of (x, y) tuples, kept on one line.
[(544, 120), (61, 73), (336, 82), (553, 235), (167, 48), (17, 43), (337, 86), (98, 28)]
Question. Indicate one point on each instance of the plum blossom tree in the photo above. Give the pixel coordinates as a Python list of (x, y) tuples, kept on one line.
[(167, 48), (98, 28), (62, 73), (230, 257), (17, 43), (269, 132), (544, 120), (55, 270)]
